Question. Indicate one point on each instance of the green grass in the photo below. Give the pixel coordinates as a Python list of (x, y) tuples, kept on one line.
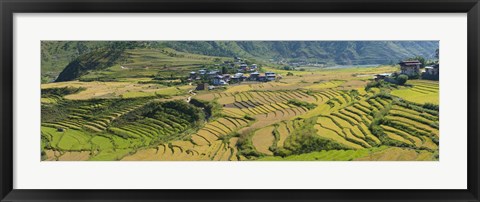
[(71, 140), (331, 155), (102, 143)]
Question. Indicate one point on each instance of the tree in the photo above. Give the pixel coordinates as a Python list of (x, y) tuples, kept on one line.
[(401, 79)]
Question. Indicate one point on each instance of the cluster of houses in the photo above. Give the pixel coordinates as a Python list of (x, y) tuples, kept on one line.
[(245, 68), (241, 65), (412, 68), (216, 78), (244, 71)]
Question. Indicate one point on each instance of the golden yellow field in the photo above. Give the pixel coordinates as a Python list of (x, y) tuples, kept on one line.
[(421, 92), (263, 139), (126, 89)]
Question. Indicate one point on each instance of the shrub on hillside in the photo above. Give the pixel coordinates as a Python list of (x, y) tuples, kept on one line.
[(414, 76), (378, 84), (354, 93), (248, 117), (245, 146), (401, 79), (304, 139), (211, 108), (178, 110), (299, 103), (431, 106)]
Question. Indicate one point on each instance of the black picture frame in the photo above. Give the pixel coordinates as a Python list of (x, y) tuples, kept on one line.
[(10, 7)]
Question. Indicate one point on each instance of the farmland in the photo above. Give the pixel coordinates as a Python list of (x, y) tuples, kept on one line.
[(420, 92), (141, 109)]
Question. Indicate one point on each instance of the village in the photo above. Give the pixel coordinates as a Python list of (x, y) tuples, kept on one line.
[(243, 72), (210, 79), (239, 71)]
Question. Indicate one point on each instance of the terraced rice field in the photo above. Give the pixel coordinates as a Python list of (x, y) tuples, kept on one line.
[(421, 92), (106, 130), (327, 84), (214, 130), (263, 139), (104, 90), (325, 115)]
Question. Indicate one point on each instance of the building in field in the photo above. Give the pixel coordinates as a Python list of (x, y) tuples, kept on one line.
[(237, 77), (270, 76), (243, 68), (193, 75), (432, 72), (388, 77), (227, 77), (219, 80), (254, 76), (382, 76), (253, 67), (212, 74), (202, 86), (410, 68)]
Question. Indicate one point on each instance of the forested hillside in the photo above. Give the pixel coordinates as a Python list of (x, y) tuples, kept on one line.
[(334, 52), (58, 55)]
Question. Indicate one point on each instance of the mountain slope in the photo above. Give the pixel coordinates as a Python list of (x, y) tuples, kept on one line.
[(334, 52), (95, 60), (81, 54)]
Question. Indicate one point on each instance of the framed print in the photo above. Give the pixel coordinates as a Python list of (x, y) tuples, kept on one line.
[(239, 101)]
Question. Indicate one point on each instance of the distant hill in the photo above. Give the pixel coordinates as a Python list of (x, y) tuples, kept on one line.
[(329, 52), (71, 59)]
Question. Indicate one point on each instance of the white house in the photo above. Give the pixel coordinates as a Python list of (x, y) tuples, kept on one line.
[(270, 76)]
